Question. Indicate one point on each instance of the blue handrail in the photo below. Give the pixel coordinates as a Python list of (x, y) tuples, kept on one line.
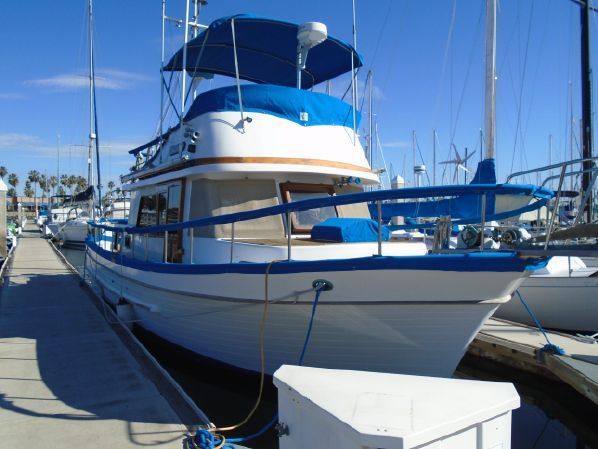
[(339, 200)]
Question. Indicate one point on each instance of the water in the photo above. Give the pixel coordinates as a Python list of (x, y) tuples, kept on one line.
[(552, 415)]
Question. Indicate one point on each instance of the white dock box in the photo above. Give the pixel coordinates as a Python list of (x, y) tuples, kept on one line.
[(325, 409)]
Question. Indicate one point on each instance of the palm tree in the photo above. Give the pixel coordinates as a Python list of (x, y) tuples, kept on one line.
[(60, 190), (64, 181), (71, 181), (53, 182), (13, 180), (80, 184), (3, 171), (110, 187), (28, 191), (34, 177), (43, 184)]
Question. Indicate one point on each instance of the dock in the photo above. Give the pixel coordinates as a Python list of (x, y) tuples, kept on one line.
[(520, 346), (70, 377)]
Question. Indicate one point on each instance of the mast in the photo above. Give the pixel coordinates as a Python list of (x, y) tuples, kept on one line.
[(92, 135), (434, 157), (93, 122), (371, 120), (586, 95), (162, 69), (353, 79), (490, 98)]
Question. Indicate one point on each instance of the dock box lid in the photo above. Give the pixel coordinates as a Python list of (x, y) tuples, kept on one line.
[(393, 410)]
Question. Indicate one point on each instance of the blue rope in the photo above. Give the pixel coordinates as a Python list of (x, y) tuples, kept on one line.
[(549, 346), (257, 434), (303, 351), (311, 322), (204, 439)]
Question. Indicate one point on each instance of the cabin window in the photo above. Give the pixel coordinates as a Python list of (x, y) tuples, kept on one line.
[(161, 199), (174, 204), (303, 221), (147, 211)]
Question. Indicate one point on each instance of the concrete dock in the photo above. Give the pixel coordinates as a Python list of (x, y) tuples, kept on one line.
[(519, 346), (67, 378)]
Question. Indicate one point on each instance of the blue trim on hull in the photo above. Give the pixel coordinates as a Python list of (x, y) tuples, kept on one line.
[(507, 261)]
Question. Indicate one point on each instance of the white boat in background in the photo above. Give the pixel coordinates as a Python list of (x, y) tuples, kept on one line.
[(563, 296), (118, 209), (255, 200)]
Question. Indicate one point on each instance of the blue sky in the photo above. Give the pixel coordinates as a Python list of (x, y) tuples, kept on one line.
[(427, 60)]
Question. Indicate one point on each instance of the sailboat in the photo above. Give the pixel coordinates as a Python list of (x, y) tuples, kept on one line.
[(75, 228), (249, 227)]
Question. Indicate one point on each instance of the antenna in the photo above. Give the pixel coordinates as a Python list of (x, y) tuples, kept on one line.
[(309, 35)]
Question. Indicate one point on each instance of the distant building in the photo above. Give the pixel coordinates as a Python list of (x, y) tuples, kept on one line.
[(27, 203)]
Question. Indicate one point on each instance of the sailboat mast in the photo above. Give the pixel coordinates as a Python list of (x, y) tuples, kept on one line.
[(91, 80), (490, 98), (586, 95)]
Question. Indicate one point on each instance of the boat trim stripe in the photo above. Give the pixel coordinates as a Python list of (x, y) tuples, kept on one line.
[(250, 160), (507, 261)]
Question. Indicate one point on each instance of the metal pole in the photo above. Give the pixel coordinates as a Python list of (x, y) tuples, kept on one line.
[(288, 235), (434, 157), (165, 246), (191, 252), (490, 88), (354, 80), (162, 69), (371, 119), (483, 220), (232, 241), (555, 210), (379, 206), (586, 95), (184, 71)]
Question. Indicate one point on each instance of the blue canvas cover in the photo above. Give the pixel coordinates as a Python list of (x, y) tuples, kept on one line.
[(266, 53), (300, 106), (465, 207), (348, 230)]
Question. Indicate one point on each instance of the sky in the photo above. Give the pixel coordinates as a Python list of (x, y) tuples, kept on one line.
[(427, 60)]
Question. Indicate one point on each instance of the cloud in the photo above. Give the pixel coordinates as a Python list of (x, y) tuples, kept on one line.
[(10, 141), (111, 79), (10, 96), (400, 144)]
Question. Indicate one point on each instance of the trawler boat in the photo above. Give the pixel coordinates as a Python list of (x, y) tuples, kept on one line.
[(249, 224)]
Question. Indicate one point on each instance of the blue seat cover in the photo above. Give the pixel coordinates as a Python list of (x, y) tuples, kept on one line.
[(348, 230)]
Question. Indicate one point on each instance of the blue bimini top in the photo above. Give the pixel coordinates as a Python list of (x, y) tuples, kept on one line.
[(266, 53), (300, 106)]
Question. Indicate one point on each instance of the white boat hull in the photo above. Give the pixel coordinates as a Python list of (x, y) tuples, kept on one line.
[(372, 320), (565, 303), (73, 232)]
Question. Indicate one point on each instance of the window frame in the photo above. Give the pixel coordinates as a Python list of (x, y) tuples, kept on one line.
[(288, 188)]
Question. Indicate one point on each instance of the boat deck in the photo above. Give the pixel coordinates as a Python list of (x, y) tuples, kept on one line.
[(70, 377), (520, 346)]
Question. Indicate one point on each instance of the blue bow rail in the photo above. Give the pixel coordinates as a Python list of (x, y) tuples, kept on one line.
[(540, 193)]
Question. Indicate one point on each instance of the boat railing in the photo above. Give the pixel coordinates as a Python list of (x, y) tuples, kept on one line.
[(377, 197)]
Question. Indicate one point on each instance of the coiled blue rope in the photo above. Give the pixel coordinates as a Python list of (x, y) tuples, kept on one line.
[(549, 346), (204, 439)]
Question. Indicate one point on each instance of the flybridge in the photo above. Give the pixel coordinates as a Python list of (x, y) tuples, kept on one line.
[(265, 52)]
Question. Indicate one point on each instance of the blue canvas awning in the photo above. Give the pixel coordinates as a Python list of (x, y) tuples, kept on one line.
[(266, 53)]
